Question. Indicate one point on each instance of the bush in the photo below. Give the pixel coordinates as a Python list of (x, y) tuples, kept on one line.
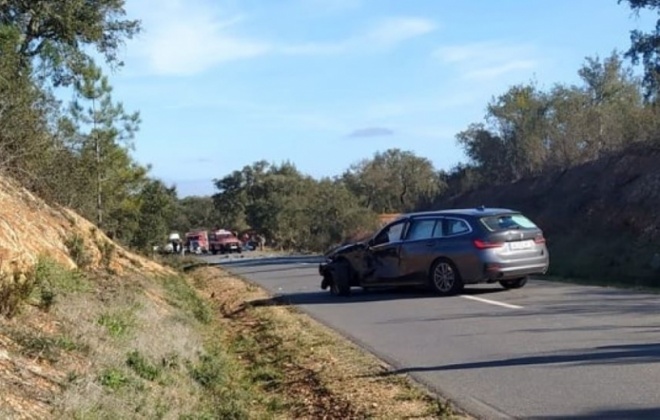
[(52, 280), (15, 288), (77, 251)]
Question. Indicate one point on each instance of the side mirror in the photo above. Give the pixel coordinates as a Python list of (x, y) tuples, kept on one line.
[(370, 242)]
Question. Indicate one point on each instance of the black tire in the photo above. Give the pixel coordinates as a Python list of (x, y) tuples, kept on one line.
[(444, 278), (214, 251), (514, 284), (340, 279)]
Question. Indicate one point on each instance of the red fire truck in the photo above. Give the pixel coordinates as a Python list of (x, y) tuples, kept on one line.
[(224, 241), (197, 242)]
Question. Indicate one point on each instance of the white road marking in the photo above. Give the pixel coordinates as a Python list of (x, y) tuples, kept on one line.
[(492, 302)]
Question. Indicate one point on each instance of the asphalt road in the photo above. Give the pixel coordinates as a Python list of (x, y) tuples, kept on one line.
[(544, 351)]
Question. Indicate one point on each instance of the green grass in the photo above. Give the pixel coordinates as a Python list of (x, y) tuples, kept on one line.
[(75, 244), (51, 274), (53, 281), (183, 296), (144, 368), (45, 347), (114, 379), (624, 261), (228, 396), (118, 323), (42, 285)]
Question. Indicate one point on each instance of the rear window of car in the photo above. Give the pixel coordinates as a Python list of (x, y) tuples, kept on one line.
[(507, 221)]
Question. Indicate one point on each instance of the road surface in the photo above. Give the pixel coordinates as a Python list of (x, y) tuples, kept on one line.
[(547, 350)]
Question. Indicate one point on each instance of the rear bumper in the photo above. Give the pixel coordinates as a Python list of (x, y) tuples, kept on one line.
[(498, 271)]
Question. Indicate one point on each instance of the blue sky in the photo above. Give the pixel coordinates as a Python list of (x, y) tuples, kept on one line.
[(325, 83)]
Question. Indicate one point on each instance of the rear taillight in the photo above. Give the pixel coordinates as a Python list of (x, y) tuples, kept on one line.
[(486, 244), (539, 240)]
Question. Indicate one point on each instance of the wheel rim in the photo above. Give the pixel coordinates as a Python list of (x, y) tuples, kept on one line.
[(444, 277)]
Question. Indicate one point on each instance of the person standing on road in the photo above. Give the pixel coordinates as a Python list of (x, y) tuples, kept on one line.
[(175, 240)]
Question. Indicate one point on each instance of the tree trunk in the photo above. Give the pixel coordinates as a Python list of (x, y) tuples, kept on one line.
[(99, 188)]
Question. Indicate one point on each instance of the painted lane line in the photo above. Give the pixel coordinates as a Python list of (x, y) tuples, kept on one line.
[(491, 302)]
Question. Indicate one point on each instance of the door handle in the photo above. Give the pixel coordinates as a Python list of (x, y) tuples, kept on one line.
[(430, 244)]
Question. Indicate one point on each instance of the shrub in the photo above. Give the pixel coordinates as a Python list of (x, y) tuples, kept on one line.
[(79, 254), (15, 287)]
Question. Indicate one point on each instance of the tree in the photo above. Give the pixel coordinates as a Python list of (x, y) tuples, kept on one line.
[(58, 34), (24, 114), (104, 148), (291, 209), (195, 213), (645, 47), (519, 118), (393, 181), (157, 207), (335, 215), (615, 102), (488, 151)]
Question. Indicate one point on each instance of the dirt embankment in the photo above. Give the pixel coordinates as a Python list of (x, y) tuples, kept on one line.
[(602, 219), (30, 228), (89, 330)]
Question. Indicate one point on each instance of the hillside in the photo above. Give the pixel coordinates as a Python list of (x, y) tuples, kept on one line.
[(602, 218), (90, 330), (30, 228)]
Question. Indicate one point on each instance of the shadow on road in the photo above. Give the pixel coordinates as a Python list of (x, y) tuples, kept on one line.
[(614, 414), (248, 262), (360, 295), (271, 269), (620, 354)]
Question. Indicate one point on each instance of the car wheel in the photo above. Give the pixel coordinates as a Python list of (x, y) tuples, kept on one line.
[(445, 278), (514, 284), (340, 279)]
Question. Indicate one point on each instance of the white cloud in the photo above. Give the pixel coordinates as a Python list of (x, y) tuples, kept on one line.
[(185, 37), (393, 31), (489, 73), (182, 38), (329, 6), (484, 61), (385, 34)]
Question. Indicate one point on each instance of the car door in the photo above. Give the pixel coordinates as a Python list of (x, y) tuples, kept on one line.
[(419, 248), (384, 253)]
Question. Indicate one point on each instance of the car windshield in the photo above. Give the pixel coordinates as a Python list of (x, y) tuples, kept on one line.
[(507, 221)]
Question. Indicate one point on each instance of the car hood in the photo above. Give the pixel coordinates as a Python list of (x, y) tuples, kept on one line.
[(344, 249)]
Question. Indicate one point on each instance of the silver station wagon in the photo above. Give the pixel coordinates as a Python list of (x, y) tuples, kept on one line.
[(444, 250)]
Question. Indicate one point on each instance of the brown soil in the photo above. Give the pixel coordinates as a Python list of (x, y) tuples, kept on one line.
[(30, 228), (325, 375)]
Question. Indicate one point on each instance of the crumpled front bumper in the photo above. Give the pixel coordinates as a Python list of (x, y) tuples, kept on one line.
[(323, 268)]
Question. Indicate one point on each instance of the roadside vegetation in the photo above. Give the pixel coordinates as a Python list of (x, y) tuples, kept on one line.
[(79, 153), (88, 330), (90, 344)]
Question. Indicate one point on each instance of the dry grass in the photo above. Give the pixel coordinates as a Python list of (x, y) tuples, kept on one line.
[(93, 331), (319, 374), (144, 347), (30, 228)]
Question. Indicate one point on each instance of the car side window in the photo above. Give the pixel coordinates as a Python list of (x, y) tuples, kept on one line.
[(421, 229), (456, 227), (395, 231), (438, 232), (390, 234)]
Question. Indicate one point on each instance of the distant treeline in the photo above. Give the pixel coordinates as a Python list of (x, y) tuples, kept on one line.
[(78, 154)]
